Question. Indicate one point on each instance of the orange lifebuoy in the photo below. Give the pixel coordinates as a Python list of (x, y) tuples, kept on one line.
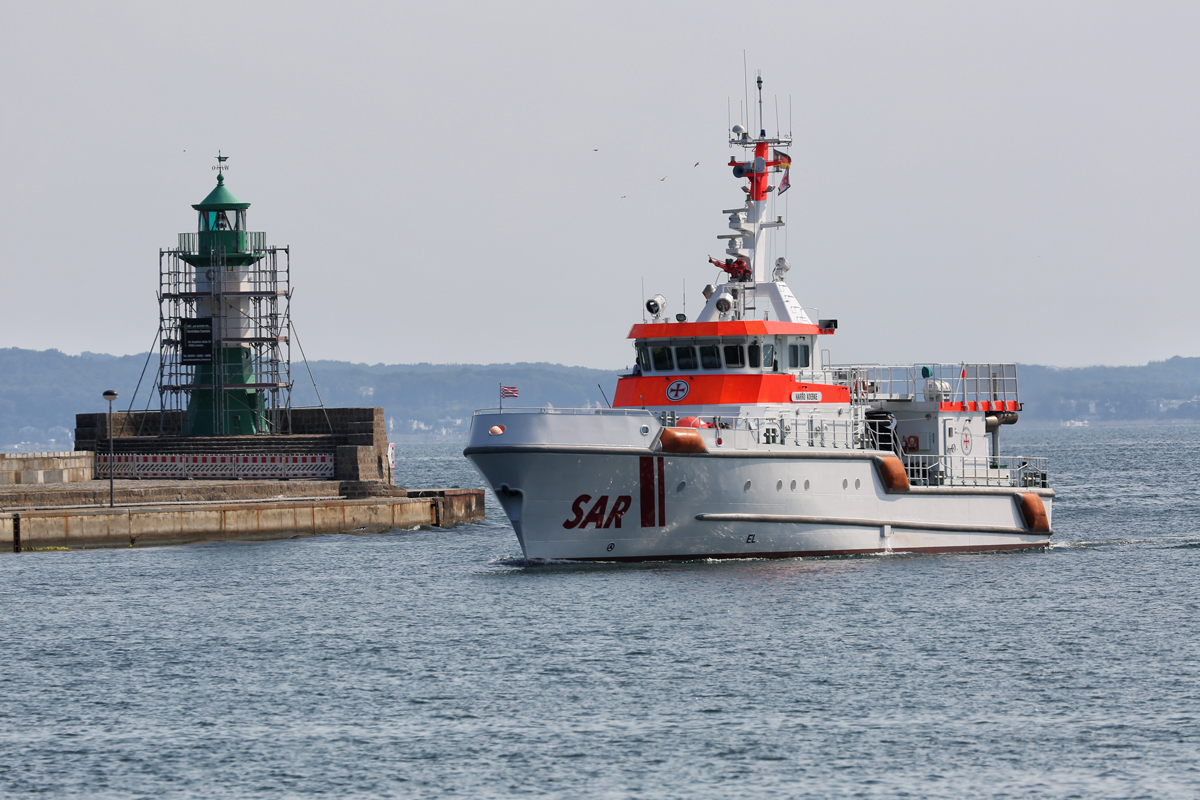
[(911, 444)]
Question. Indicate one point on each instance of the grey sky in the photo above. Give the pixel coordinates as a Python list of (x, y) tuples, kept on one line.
[(980, 181)]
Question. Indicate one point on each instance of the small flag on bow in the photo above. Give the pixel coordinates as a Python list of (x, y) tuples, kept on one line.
[(508, 391)]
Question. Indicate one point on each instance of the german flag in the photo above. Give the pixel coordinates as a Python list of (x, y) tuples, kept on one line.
[(785, 161)]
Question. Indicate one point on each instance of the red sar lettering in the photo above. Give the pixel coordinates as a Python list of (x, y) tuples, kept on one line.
[(596, 515)]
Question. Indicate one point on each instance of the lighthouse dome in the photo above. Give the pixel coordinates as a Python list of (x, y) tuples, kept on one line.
[(221, 199)]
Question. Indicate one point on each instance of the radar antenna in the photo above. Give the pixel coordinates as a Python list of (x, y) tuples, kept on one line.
[(762, 131)]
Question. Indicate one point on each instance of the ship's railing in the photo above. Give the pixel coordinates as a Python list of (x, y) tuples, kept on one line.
[(981, 386), (977, 471), (799, 428), (611, 412), (850, 430)]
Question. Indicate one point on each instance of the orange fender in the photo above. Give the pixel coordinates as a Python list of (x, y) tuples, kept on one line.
[(892, 473), (1034, 512)]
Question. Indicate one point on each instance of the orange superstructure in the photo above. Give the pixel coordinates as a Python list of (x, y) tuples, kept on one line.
[(707, 390)]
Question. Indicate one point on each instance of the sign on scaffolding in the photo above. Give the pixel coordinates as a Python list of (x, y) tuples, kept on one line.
[(197, 345)]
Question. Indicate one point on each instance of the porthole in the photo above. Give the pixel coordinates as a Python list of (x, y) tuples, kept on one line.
[(779, 486), (746, 488), (857, 483), (645, 429), (794, 486), (806, 486), (845, 483)]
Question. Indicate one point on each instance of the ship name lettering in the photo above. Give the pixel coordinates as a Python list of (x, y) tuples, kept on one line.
[(597, 514)]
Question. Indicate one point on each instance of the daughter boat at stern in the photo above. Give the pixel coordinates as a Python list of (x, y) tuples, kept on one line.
[(732, 438)]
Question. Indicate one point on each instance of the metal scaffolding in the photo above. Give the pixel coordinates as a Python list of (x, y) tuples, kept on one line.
[(240, 289)]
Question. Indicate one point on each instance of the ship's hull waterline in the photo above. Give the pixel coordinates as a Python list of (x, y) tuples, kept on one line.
[(596, 503)]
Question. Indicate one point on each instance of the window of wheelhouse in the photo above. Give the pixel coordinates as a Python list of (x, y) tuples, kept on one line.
[(661, 357), (735, 356), (798, 357), (685, 357), (643, 358), (710, 356), (768, 358)]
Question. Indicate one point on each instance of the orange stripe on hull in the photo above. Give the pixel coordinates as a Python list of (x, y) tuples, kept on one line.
[(651, 390)]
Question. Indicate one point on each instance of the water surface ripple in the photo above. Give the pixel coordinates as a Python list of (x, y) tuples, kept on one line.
[(438, 664)]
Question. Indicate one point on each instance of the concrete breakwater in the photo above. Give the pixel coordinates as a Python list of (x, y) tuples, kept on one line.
[(35, 468), (192, 517)]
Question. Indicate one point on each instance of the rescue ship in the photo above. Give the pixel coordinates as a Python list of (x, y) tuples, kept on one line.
[(732, 437)]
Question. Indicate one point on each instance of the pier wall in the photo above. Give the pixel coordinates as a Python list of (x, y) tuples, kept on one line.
[(36, 468), (215, 521), (355, 437)]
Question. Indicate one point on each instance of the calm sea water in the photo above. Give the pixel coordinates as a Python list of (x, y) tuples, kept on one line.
[(435, 663)]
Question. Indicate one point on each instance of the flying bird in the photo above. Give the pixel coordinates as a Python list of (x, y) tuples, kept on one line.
[(663, 178), (695, 165)]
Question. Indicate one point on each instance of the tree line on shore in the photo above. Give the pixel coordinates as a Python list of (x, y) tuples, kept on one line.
[(42, 390)]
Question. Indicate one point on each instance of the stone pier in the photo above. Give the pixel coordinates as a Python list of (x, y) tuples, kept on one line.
[(181, 512)]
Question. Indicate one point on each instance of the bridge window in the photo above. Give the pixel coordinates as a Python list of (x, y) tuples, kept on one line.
[(797, 356), (754, 354), (661, 356), (685, 357), (643, 359), (768, 356), (735, 357), (710, 356)]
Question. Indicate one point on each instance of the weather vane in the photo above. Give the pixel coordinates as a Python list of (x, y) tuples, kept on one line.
[(220, 167)]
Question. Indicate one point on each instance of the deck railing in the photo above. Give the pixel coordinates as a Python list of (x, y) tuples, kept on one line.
[(987, 386), (977, 471), (612, 412), (852, 430)]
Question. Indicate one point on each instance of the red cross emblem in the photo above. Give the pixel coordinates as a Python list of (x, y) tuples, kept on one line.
[(677, 390)]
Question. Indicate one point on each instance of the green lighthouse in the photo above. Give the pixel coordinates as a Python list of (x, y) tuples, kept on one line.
[(223, 327)]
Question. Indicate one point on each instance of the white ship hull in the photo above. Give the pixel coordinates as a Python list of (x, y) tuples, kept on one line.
[(616, 498), (734, 435)]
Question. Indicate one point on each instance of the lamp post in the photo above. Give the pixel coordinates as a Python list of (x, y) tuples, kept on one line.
[(110, 395)]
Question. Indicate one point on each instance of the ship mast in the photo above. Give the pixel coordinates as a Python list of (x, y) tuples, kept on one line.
[(749, 223)]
